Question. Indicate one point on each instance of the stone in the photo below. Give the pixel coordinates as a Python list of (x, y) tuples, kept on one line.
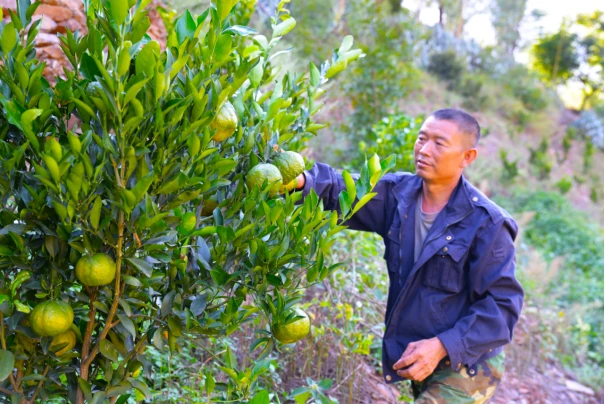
[(580, 388), (56, 13)]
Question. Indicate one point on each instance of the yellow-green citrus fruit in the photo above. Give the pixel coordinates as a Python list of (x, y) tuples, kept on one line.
[(225, 122), (51, 318), (96, 270), (63, 342), (209, 205), (290, 165), (261, 172), (289, 333), (188, 221)]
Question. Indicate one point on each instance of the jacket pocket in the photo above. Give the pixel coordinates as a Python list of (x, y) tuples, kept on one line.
[(445, 270)]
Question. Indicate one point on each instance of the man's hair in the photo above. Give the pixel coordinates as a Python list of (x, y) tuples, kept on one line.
[(465, 122)]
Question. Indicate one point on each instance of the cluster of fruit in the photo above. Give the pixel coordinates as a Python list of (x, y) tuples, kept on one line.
[(280, 176), (54, 318)]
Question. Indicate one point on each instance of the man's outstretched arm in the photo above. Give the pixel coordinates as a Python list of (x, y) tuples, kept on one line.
[(327, 184)]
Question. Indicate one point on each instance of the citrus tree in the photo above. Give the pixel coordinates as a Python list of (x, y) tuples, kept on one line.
[(147, 199)]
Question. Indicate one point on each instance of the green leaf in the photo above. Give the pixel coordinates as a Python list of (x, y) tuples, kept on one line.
[(128, 324), (315, 75), (141, 386), (167, 303), (240, 30), (134, 90), (262, 397), (9, 38), (284, 27), (345, 203), (7, 362), (95, 212), (19, 279), (366, 198), (119, 10), (185, 27), (222, 48), (109, 350), (346, 44), (132, 281), (141, 265), (142, 185), (86, 389), (27, 119), (21, 307), (350, 185)]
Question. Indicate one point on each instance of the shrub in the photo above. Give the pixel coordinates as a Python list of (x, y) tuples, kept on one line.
[(447, 66), (126, 179), (395, 134)]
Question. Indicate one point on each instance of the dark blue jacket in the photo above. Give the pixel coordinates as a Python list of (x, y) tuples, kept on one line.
[(462, 289)]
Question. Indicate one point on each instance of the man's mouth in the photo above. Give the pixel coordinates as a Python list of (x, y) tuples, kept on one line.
[(422, 163)]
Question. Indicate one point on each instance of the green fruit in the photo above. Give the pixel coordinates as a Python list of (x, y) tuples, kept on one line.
[(209, 205), (63, 342), (51, 318), (96, 270), (290, 165), (188, 222), (261, 172), (225, 122), (289, 333)]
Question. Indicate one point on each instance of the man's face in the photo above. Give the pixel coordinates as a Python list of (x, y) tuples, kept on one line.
[(441, 151)]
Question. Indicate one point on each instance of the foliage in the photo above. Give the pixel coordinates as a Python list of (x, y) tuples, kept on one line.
[(395, 133), (540, 158), (385, 75), (137, 162), (565, 55), (510, 169), (564, 185), (573, 287), (447, 66)]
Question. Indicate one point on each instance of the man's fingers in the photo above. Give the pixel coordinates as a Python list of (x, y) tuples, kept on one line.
[(418, 372), (406, 359), (410, 373)]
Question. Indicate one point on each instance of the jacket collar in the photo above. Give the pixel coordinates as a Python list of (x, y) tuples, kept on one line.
[(458, 206)]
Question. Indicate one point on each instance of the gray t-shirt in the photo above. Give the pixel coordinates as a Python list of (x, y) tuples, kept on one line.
[(422, 225)]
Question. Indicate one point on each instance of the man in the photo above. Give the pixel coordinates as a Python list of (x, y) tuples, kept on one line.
[(453, 297)]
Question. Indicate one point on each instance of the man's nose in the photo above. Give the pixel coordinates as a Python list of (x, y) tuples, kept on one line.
[(425, 149)]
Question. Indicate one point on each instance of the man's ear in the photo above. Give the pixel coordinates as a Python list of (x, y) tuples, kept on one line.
[(469, 156)]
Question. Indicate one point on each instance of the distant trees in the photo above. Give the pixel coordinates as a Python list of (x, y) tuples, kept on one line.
[(574, 53), (507, 16)]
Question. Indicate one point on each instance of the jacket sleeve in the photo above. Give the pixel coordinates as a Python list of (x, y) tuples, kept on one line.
[(328, 184), (495, 293)]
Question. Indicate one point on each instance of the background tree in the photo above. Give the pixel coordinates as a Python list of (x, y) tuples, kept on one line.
[(507, 16), (574, 54)]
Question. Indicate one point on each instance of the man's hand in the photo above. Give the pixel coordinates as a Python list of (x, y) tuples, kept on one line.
[(300, 181), (420, 359)]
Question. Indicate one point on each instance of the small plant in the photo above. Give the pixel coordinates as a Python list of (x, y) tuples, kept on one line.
[(564, 185), (447, 66), (511, 170), (540, 159), (316, 390)]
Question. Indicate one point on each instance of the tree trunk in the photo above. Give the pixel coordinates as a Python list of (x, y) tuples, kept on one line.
[(441, 14)]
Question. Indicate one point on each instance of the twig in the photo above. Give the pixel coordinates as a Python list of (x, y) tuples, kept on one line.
[(40, 383), (333, 389)]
